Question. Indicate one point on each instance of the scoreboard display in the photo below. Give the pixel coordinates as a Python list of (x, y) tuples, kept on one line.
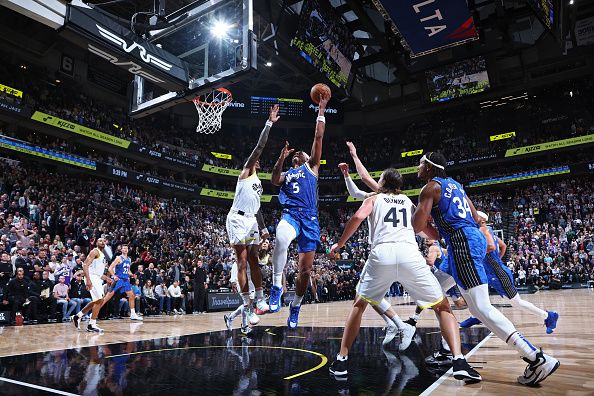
[(299, 108), (289, 107)]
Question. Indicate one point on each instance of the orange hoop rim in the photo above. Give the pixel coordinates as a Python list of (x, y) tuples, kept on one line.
[(197, 100)]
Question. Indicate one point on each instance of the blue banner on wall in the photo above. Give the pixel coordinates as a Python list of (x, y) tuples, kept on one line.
[(428, 26)]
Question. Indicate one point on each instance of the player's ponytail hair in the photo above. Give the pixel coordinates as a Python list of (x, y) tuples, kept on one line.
[(392, 182), (437, 159)]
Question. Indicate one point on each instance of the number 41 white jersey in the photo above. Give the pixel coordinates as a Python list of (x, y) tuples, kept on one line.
[(391, 220)]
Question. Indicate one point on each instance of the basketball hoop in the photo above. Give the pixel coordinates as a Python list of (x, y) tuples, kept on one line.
[(210, 109)]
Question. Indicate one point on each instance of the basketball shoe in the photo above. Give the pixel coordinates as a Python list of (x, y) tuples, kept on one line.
[(539, 369), (472, 321), (463, 371), (406, 336), (293, 319), (275, 296), (551, 321)]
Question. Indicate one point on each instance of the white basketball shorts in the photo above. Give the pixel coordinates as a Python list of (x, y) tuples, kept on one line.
[(242, 230), (398, 262)]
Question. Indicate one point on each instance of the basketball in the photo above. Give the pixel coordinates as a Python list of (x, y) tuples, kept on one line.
[(319, 89)]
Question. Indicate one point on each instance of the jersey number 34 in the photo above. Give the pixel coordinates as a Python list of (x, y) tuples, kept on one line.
[(464, 208)]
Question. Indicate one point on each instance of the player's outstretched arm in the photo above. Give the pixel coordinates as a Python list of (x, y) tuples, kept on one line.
[(353, 224), (421, 217), (361, 170), (316, 148), (352, 188), (277, 172), (257, 152), (262, 225)]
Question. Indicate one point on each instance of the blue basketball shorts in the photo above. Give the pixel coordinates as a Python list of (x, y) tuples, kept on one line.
[(122, 286), (307, 228), (500, 277), (467, 248)]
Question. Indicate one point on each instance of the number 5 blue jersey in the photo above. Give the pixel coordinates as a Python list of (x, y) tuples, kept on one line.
[(300, 189), (453, 211)]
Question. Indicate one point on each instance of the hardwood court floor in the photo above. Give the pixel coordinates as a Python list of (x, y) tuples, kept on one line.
[(572, 343)]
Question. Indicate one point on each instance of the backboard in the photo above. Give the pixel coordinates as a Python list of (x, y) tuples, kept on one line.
[(214, 38)]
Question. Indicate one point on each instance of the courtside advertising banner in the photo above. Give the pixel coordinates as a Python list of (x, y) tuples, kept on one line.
[(79, 129), (428, 26), (9, 143), (557, 144)]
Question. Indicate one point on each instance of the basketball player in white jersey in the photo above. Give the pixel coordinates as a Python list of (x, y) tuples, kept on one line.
[(395, 257), (242, 224), (94, 269), (384, 308)]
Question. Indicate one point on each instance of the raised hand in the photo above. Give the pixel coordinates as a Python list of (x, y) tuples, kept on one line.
[(273, 117), (352, 149), (344, 168), (286, 151), (323, 102)]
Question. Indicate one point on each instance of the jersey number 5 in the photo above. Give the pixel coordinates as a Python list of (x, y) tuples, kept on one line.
[(464, 208), (392, 217), (295, 188)]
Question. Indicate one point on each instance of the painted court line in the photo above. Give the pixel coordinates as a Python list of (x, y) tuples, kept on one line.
[(43, 388), (451, 370)]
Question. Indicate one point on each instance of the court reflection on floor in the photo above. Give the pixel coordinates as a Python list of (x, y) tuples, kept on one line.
[(272, 361)]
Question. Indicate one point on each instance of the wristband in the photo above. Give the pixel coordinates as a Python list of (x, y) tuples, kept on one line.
[(269, 123), (321, 119)]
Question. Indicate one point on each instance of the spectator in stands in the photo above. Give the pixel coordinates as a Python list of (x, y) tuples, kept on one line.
[(6, 272), (162, 293), (78, 292), (151, 273), (200, 286), (41, 292), (137, 293), (188, 291), (17, 293), (148, 292), (521, 279), (140, 276), (62, 299), (162, 277), (176, 297)]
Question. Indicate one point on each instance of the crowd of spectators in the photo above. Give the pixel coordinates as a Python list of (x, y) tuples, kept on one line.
[(550, 113), (49, 222), (554, 239)]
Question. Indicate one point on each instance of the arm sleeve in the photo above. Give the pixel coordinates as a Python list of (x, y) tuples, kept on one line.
[(353, 189), (260, 219)]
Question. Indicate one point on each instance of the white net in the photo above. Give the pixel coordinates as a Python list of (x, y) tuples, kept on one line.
[(210, 109)]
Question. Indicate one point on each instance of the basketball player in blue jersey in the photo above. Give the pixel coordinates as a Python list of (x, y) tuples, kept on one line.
[(501, 279), (299, 199), (120, 273), (445, 200)]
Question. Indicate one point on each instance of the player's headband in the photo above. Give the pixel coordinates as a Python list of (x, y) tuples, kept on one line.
[(482, 215), (424, 158)]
